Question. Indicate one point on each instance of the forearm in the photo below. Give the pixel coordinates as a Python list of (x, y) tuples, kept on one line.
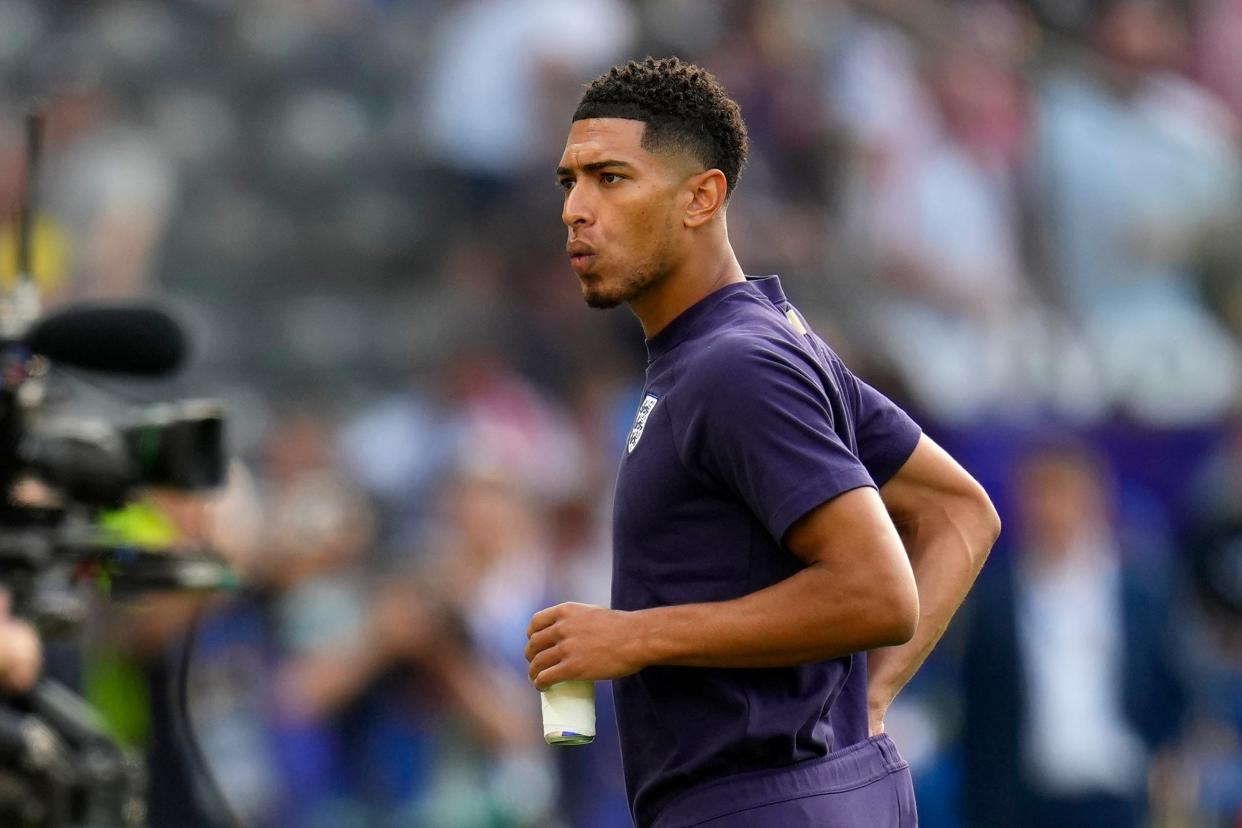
[(813, 615), (946, 554), (855, 592)]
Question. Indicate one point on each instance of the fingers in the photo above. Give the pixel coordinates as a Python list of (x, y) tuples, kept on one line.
[(552, 667), (541, 641), (553, 675), (548, 658), (542, 650), (548, 641), (544, 619), (547, 617), (542, 632)]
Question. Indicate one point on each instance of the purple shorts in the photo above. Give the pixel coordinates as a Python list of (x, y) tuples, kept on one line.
[(866, 785)]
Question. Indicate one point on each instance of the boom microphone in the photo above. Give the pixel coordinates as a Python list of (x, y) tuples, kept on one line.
[(123, 339)]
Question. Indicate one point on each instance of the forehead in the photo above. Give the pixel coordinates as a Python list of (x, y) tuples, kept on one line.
[(598, 139)]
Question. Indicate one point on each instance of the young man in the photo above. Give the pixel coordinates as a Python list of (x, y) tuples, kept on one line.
[(765, 612)]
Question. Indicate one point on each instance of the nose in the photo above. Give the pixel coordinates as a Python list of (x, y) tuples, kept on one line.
[(576, 211)]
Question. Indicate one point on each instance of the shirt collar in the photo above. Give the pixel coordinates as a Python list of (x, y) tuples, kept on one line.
[(677, 331), (770, 286)]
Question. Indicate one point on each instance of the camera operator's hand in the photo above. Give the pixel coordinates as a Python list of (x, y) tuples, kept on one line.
[(21, 654), (404, 626)]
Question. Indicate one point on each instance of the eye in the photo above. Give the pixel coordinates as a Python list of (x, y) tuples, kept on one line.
[(565, 184), (610, 178)]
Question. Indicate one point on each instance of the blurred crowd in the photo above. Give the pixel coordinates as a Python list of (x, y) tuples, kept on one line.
[(1019, 218)]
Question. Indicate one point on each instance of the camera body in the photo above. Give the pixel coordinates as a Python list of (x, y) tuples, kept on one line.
[(58, 766)]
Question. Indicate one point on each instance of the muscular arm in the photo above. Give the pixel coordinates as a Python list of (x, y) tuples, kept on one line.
[(948, 526), (857, 592)]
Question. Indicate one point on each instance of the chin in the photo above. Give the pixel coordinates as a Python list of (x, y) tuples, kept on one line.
[(602, 293), (600, 300), (596, 292)]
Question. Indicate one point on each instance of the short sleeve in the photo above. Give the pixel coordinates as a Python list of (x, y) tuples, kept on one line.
[(885, 433), (758, 420)]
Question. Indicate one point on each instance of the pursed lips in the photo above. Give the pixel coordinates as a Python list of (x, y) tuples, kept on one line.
[(581, 255)]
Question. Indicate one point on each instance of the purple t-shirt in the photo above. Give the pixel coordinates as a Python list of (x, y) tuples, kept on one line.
[(745, 425)]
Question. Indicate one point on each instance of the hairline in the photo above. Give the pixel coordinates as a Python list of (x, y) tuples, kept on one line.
[(674, 142)]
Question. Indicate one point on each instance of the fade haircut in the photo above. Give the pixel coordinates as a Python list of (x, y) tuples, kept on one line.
[(684, 107)]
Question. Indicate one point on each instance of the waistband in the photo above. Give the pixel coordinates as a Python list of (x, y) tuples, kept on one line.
[(856, 766)]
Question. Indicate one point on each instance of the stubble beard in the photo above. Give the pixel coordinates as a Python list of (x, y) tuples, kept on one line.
[(605, 296), (602, 294)]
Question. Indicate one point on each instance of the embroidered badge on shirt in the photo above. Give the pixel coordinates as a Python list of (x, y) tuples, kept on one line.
[(640, 422)]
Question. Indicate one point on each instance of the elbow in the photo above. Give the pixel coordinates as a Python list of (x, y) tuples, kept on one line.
[(895, 614), (989, 523), (971, 516), (994, 526), (905, 618)]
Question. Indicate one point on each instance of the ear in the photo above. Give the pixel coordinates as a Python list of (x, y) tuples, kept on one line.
[(707, 197)]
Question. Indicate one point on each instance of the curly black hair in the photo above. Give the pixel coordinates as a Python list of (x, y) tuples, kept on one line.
[(684, 106)]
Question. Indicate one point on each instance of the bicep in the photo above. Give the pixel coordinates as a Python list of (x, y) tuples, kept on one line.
[(850, 529)]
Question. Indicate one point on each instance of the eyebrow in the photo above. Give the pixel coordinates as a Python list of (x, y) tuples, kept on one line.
[(594, 166)]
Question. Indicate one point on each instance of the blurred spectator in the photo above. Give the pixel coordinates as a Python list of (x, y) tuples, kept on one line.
[(768, 55), (503, 78), (1218, 51), (439, 644), (1069, 687), (311, 564), (1207, 778), (131, 675), (480, 414), (112, 186), (939, 208), (1135, 166)]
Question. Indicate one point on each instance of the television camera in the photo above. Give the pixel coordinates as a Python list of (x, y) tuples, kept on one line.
[(59, 768)]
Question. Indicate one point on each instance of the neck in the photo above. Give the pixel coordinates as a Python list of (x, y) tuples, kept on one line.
[(697, 278)]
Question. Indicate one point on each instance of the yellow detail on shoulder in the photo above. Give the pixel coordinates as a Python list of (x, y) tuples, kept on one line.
[(796, 321)]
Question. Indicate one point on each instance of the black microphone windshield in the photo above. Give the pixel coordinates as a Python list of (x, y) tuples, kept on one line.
[(125, 339)]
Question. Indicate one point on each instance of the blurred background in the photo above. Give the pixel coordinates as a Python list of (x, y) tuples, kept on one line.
[(1021, 220)]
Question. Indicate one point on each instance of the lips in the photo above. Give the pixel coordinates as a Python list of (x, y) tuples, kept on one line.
[(581, 256)]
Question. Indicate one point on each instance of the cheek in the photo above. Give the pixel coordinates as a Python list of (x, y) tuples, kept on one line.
[(648, 229), (635, 232)]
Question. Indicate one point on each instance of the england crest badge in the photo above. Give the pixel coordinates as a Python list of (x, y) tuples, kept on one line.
[(640, 422)]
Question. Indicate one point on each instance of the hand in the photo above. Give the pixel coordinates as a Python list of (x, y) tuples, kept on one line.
[(875, 722), (584, 642), (877, 709), (21, 655), (403, 627)]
